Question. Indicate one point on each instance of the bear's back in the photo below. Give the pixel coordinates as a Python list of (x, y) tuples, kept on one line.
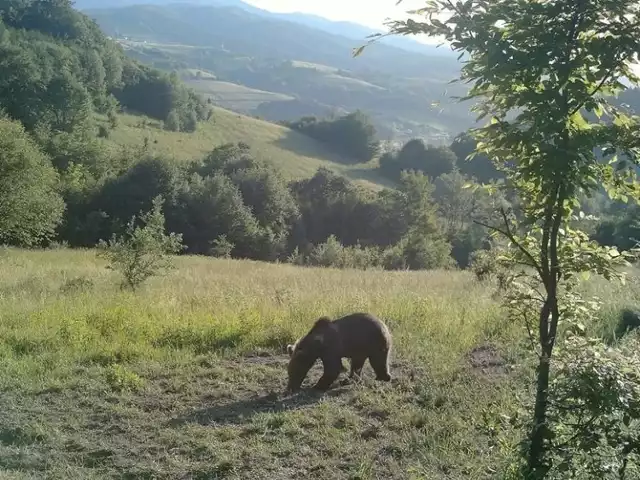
[(361, 334)]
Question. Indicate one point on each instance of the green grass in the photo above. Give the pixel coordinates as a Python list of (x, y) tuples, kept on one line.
[(296, 155), (185, 378)]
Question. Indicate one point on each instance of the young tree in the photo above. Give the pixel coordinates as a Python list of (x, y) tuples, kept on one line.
[(536, 67), (144, 250)]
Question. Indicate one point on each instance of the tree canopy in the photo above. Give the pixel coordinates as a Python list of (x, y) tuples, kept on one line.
[(30, 205)]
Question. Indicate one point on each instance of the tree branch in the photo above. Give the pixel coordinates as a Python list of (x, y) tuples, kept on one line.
[(510, 235)]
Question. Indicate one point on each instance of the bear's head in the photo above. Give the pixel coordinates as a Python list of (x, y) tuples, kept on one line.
[(304, 353), (292, 347)]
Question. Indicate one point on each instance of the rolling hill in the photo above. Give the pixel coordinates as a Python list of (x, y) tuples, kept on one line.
[(342, 28), (296, 155), (406, 93)]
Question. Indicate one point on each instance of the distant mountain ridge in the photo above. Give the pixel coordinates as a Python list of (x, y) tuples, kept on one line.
[(343, 28), (259, 35)]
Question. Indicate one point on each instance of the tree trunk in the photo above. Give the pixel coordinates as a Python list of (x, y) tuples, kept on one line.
[(536, 467)]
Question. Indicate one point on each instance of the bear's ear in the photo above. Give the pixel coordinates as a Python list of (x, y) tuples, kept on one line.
[(322, 322), (290, 349)]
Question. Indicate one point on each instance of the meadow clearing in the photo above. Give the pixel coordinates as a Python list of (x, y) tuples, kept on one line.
[(185, 378), (297, 156)]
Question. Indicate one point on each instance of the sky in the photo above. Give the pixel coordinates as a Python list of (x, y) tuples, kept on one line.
[(371, 13)]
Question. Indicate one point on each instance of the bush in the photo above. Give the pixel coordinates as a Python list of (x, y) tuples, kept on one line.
[(333, 254), (172, 122), (221, 247), (480, 167), (119, 378), (143, 251), (427, 252), (103, 132), (484, 264), (190, 122), (113, 119), (416, 156), (594, 410)]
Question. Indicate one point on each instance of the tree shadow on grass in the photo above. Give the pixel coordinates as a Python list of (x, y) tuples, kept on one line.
[(242, 411)]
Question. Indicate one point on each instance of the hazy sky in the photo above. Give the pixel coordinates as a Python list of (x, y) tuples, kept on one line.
[(367, 12)]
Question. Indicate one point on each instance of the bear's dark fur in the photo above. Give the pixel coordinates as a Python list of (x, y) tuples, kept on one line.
[(359, 336)]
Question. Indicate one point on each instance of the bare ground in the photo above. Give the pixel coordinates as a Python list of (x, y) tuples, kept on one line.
[(229, 419)]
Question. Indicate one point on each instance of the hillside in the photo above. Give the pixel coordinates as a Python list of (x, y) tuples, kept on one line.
[(186, 378), (406, 93), (296, 155)]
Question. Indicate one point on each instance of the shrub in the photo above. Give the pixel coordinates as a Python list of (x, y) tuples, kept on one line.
[(221, 247), (594, 412), (143, 251), (113, 119), (415, 156), (120, 378), (333, 254), (190, 122), (484, 264), (172, 122), (353, 134), (103, 132)]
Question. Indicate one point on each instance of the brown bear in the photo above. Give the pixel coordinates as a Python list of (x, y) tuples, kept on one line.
[(357, 336)]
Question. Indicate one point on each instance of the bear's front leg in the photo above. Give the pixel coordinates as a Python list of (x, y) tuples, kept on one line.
[(332, 367)]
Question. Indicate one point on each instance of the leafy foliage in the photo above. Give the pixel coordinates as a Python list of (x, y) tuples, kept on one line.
[(352, 134), (144, 249), (57, 69), (537, 69), (30, 204), (416, 156), (595, 410), (472, 164)]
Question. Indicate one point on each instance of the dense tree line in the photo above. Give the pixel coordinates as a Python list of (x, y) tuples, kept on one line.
[(435, 161), (230, 197), (57, 69), (352, 135), (225, 203)]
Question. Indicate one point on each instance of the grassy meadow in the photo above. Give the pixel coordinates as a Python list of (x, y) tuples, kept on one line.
[(295, 154), (184, 379)]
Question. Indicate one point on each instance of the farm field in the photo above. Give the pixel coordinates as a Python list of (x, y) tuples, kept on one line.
[(296, 155), (185, 378), (232, 96)]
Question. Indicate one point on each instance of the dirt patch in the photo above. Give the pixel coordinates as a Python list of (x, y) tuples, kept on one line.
[(488, 360), (266, 359)]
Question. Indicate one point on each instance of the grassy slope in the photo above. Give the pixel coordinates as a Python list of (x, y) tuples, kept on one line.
[(207, 343), (298, 156), (184, 379)]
